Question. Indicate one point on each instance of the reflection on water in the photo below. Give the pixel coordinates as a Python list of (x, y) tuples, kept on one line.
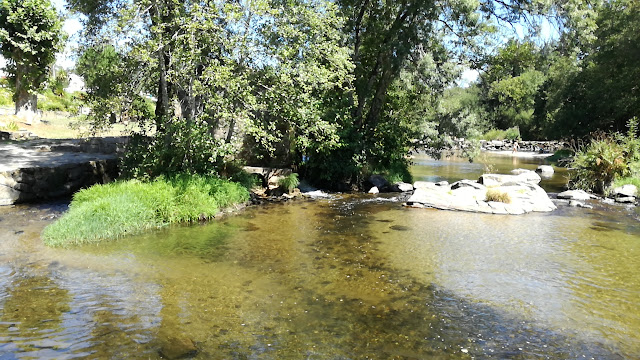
[(352, 277)]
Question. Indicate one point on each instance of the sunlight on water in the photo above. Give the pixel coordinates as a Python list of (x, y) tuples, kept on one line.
[(351, 277)]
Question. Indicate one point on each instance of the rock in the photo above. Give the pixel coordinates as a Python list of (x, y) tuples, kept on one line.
[(628, 190), (468, 183), (626, 199), (500, 179), (424, 184), (401, 187), (575, 195), (378, 181), (466, 195), (519, 171), (442, 183), (374, 190), (178, 348), (545, 170), (575, 203)]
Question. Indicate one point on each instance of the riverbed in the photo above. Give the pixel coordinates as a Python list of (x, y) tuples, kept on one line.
[(346, 277)]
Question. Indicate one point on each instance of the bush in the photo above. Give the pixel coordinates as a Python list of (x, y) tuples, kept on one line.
[(607, 159), (6, 97), (289, 182), (52, 102), (509, 134), (498, 196), (123, 208)]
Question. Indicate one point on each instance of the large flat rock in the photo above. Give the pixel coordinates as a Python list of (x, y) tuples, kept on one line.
[(524, 197)]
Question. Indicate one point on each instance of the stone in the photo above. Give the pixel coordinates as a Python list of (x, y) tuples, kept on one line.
[(178, 348), (374, 190), (576, 203), (519, 171), (27, 174), (468, 183), (378, 181), (626, 199), (575, 195), (628, 190), (471, 196), (401, 187), (500, 179), (424, 184), (545, 170)]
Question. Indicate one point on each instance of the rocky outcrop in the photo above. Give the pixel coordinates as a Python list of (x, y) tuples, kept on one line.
[(465, 195)]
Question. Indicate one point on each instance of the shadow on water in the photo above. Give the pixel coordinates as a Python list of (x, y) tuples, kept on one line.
[(348, 278)]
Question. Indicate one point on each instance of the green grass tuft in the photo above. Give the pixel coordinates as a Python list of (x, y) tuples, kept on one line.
[(289, 182), (111, 211)]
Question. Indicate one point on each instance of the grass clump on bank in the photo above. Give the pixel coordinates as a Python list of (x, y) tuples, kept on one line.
[(111, 211)]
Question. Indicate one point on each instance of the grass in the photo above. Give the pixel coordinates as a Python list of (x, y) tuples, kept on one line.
[(498, 196), (115, 210), (289, 182)]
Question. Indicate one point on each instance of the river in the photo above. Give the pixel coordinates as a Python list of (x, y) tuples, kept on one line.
[(348, 277)]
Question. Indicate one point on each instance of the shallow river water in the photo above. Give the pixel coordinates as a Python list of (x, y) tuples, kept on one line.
[(350, 277)]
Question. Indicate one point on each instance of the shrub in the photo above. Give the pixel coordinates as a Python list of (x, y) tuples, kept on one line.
[(606, 159), (509, 134), (498, 196), (289, 182), (122, 208), (5, 97)]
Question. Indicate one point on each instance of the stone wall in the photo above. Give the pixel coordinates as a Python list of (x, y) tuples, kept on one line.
[(39, 183)]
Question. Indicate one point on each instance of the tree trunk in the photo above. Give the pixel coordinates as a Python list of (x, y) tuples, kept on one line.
[(26, 103)]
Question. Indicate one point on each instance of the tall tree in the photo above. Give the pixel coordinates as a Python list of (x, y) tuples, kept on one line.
[(30, 37)]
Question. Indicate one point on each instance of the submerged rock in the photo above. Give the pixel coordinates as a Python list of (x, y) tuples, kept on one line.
[(466, 195), (178, 348)]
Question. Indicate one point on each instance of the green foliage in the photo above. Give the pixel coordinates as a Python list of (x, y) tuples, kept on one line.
[(5, 97), (186, 147), (59, 82), (123, 208), (559, 155), (607, 159), (289, 182), (64, 102), (498, 196), (508, 134), (30, 36)]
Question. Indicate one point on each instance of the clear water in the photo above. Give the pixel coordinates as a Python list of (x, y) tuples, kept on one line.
[(352, 277)]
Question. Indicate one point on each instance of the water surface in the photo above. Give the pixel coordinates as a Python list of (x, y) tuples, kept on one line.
[(351, 277)]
